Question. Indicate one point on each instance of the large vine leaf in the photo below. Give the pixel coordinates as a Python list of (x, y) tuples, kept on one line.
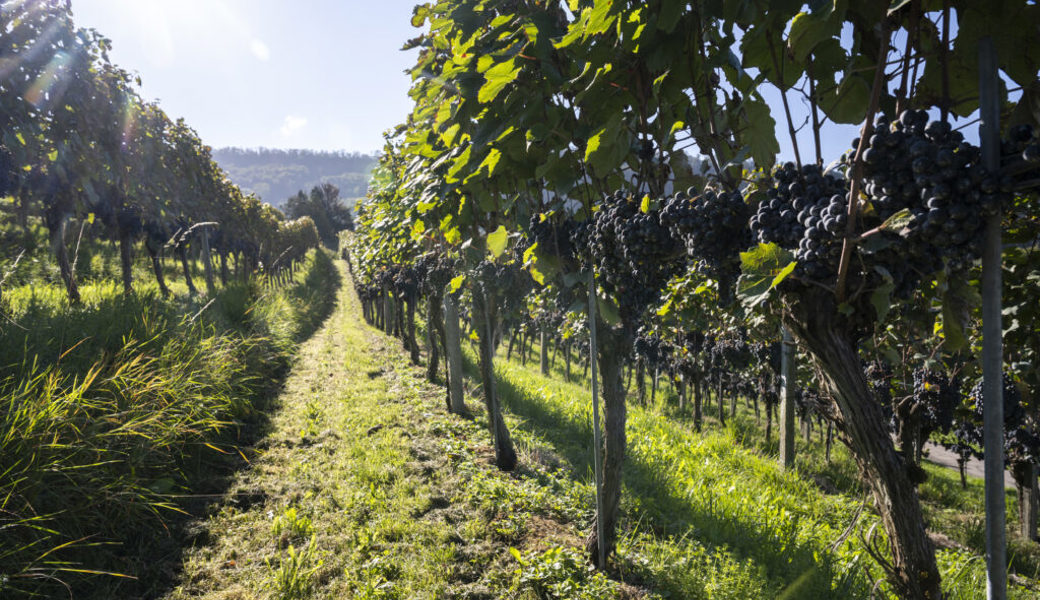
[(809, 29), (602, 147), (760, 133), (497, 77), (762, 269), (496, 241)]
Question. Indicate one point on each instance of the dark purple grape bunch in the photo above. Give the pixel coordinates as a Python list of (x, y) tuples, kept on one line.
[(809, 402), (508, 283), (552, 235), (713, 226), (436, 271), (1021, 442), (634, 253), (406, 282), (879, 379), (652, 348), (805, 211), (928, 169), (384, 279), (935, 398), (369, 292)]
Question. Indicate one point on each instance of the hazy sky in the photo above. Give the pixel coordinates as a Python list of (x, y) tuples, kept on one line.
[(320, 74)]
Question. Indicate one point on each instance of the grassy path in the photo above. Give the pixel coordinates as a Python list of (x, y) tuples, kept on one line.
[(364, 487)]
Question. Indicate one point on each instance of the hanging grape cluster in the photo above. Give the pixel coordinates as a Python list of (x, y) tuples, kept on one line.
[(634, 253), (650, 347), (553, 235), (405, 282), (384, 279), (805, 209), (809, 402), (922, 170), (506, 282), (1021, 443), (879, 379), (713, 226), (934, 399), (928, 169), (435, 271), (368, 293)]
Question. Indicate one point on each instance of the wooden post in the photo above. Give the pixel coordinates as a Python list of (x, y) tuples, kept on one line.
[(453, 351), (992, 342), (596, 436), (1025, 485), (787, 381), (543, 354), (211, 288)]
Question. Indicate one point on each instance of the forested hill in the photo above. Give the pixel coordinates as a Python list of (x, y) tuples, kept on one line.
[(275, 175)]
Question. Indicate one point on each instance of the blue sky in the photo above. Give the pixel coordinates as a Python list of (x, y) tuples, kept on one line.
[(319, 74)]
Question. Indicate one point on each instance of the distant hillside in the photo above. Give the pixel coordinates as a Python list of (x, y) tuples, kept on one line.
[(275, 175)]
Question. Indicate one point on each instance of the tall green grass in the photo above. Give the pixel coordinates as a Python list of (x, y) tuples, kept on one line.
[(112, 412)]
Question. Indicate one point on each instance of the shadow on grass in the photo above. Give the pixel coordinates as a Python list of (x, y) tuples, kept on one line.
[(312, 302), (667, 514)]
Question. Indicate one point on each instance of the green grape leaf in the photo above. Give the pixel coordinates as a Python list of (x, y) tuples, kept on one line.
[(496, 241), (881, 298), (497, 78), (899, 222), (668, 15), (458, 165), (418, 229), (762, 269), (601, 145), (957, 303), (608, 311), (808, 30), (760, 134), (419, 14)]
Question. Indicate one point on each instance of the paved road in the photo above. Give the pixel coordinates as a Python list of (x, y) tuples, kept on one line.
[(941, 456)]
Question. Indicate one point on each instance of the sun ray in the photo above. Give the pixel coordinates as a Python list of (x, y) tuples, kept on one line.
[(52, 82)]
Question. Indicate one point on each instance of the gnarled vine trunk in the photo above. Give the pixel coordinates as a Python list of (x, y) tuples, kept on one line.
[(410, 341), (913, 570), (698, 418), (182, 254), (485, 312), (223, 269), (1025, 476), (157, 268), (434, 320), (641, 381), (61, 253), (543, 354)]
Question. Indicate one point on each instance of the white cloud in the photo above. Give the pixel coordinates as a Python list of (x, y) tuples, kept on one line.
[(260, 50), (293, 124)]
